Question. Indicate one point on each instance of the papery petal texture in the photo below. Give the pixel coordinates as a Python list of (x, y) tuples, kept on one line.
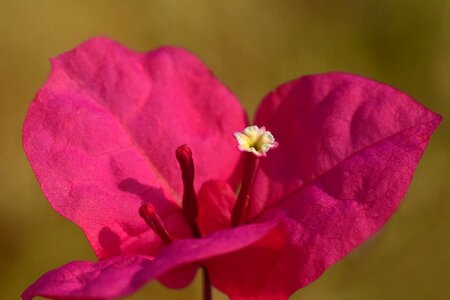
[(112, 277), (122, 275), (102, 132), (245, 273), (321, 120), (348, 147), (215, 203)]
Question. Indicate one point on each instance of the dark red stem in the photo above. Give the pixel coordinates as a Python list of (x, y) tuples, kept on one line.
[(241, 209), (207, 289)]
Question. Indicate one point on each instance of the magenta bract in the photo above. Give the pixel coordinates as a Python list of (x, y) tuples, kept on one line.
[(101, 136)]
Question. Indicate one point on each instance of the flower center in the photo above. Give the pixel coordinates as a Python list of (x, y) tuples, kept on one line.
[(255, 142)]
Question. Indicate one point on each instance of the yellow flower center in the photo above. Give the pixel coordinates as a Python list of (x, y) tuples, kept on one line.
[(255, 140)]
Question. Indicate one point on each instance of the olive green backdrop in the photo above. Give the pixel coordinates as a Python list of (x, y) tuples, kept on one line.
[(252, 46)]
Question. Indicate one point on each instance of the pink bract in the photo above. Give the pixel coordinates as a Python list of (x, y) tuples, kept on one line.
[(101, 136)]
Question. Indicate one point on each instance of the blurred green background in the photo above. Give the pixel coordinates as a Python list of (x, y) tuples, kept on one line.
[(252, 46)]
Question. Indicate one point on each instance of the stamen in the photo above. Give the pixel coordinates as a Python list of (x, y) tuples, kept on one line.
[(189, 204), (151, 217)]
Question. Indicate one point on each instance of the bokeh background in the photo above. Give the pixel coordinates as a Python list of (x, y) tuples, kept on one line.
[(252, 46)]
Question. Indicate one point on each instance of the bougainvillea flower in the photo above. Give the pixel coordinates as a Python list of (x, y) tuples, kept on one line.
[(103, 137)]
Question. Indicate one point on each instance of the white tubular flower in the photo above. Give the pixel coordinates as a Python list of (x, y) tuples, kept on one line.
[(255, 140)]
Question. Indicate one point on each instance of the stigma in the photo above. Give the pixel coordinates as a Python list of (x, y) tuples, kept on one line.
[(255, 140)]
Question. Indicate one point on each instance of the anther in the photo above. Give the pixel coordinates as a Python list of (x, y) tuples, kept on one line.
[(151, 217), (189, 204)]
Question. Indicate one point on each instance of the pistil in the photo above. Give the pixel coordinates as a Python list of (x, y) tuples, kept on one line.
[(154, 221)]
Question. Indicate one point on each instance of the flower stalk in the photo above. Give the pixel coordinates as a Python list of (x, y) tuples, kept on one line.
[(241, 209), (207, 287)]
